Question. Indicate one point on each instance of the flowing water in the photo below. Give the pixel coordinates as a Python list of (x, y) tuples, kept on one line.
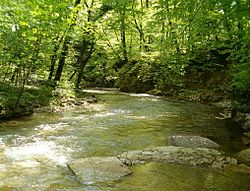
[(34, 150)]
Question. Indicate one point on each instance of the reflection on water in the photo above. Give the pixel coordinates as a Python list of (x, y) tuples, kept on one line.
[(162, 177), (34, 150)]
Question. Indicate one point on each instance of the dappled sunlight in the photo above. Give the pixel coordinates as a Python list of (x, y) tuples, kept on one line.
[(51, 127), (143, 95), (113, 112), (99, 91), (96, 78)]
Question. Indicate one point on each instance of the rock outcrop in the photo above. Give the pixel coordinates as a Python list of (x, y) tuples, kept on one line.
[(97, 169), (185, 150), (102, 169), (191, 142), (201, 157)]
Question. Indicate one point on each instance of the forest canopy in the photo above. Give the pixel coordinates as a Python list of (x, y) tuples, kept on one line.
[(163, 46)]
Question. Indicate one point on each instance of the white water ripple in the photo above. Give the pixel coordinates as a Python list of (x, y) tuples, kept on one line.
[(40, 151)]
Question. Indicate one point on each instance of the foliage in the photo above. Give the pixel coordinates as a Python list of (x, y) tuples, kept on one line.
[(165, 45), (136, 76)]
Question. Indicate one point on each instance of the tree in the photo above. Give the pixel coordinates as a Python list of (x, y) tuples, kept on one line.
[(170, 40), (67, 38)]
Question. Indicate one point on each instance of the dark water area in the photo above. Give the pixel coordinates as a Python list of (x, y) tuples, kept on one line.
[(34, 150)]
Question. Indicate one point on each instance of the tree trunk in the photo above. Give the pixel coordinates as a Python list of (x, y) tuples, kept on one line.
[(62, 59), (54, 58), (140, 31), (123, 37), (81, 62), (65, 49)]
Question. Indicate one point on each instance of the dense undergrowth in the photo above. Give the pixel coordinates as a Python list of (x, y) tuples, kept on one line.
[(37, 98)]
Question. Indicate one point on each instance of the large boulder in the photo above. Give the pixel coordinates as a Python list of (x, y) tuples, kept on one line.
[(244, 156), (98, 169), (191, 142), (178, 155)]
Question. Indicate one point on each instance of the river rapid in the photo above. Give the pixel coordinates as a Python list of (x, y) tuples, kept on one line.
[(34, 150)]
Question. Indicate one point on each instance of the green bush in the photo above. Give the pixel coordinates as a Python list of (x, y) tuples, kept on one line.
[(136, 76)]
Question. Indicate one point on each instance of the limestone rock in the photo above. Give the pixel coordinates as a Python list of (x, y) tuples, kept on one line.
[(244, 156), (98, 169), (192, 142), (178, 155)]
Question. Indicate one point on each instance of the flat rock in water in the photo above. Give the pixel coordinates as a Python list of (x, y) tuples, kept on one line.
[(98, 169), (192, 142), (201, 157)]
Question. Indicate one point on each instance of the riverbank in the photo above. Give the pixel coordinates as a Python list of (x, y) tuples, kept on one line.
[(41, 99), (230, 108), (60, 99)]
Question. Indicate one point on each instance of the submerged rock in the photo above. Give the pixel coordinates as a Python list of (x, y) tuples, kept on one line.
[(244, 156), (98, 169), (238, 168), (191, 142), (109, 169), (201, 157)]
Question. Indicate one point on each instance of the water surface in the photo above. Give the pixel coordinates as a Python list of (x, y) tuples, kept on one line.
[(34, 150)]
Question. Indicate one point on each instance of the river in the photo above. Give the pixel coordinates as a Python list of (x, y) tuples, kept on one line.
[(35, 149)]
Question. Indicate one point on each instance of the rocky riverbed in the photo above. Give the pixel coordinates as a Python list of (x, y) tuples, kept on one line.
[(99, 169)]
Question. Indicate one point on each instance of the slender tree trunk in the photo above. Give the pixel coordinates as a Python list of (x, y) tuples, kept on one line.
[(85, 54), (163, 28), (140, 31), (54, 58), (123, 37), (52, 66), (20, 94), (62, 59), (82, 61), (65, 49)]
